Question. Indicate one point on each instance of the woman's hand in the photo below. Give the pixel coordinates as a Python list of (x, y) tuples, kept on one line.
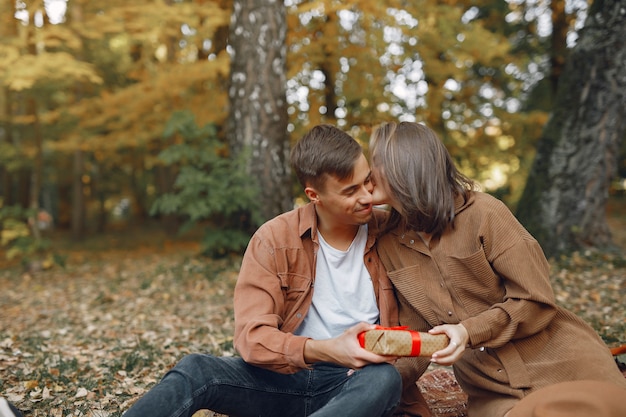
[(457, 333)]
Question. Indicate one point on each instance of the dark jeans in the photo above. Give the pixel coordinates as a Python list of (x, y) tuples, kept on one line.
[(230, 386)]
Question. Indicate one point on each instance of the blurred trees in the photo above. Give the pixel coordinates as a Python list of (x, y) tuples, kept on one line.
[(208, 188), (89, 87), (105, 79), (452, 65), (564, 203)]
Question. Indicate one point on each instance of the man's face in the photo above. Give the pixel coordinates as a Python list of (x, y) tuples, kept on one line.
[(348, 201)]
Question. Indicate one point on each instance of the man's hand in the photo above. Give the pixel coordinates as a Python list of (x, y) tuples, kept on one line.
[(458, 340), (344, 349)]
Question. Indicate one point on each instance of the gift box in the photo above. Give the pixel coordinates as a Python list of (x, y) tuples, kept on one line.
[(398, 341)]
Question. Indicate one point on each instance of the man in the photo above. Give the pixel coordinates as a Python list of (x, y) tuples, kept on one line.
[(310, 282)]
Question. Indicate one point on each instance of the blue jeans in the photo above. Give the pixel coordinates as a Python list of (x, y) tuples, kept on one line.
[(230, 386)]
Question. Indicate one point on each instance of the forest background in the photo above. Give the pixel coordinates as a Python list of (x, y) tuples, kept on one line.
[(183, 112), (129, 131)]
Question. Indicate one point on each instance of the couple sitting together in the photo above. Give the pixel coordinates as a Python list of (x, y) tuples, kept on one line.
[(444, 259)]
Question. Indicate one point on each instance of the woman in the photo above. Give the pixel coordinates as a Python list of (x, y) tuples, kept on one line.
[(464, 266)]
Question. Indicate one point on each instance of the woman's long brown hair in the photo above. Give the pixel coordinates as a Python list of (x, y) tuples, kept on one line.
[(420, 174)]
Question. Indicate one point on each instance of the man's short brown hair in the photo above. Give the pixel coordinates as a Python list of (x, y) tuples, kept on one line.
[(325, 150)]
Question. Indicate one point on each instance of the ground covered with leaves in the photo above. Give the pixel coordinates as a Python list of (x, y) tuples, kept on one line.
[(90, 338)]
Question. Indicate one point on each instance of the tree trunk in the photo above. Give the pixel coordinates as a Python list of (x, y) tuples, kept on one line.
[(78, 196), (9, 32), (220, 37), (326, 67), (257, 119), (79, 211), (558, 42), (564, 202), (32, 109), (6, 187), (36, 175)]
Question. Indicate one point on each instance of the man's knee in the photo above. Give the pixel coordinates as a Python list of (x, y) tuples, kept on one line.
[(192, 359), (194, 365), (392, 379), (386, 381)]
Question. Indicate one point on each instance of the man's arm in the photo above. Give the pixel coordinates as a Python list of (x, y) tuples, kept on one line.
[(261, 310)]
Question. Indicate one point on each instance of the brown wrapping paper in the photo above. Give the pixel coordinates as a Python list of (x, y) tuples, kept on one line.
[(402, 342)]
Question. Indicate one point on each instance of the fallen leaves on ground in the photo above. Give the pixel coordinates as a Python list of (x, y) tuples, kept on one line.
[(90, 339)]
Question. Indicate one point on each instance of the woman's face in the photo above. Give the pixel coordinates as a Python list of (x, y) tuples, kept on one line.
[(381, 193)]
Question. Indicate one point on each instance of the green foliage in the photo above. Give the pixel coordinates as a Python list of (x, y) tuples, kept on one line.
[(18, 242), (211, 188), (10, 156), (15, 235)]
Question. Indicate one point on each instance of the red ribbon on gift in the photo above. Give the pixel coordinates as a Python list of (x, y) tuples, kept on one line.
[(416, 339)]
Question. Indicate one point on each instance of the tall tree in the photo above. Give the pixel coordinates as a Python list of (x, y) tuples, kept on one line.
[(257, 122), (8, 30), (78, 216), (558, 41), (564, 202)]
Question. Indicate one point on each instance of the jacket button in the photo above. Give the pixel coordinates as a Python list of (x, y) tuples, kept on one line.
[(482, 349), (298, 315), (449, 313), (411, 241)]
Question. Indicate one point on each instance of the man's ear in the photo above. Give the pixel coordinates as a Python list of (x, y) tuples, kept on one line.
[(312, 194)]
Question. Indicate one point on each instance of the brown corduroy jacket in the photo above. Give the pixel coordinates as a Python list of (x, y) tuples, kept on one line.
[(491, 275)]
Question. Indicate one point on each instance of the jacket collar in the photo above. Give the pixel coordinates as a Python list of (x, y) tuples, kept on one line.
[(460, 204), (308, 221)]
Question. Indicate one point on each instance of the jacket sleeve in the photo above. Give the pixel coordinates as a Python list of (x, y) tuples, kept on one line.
[(515, 259), (259, 303)]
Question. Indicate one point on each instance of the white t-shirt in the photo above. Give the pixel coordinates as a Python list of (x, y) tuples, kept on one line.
[(343, 294)]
